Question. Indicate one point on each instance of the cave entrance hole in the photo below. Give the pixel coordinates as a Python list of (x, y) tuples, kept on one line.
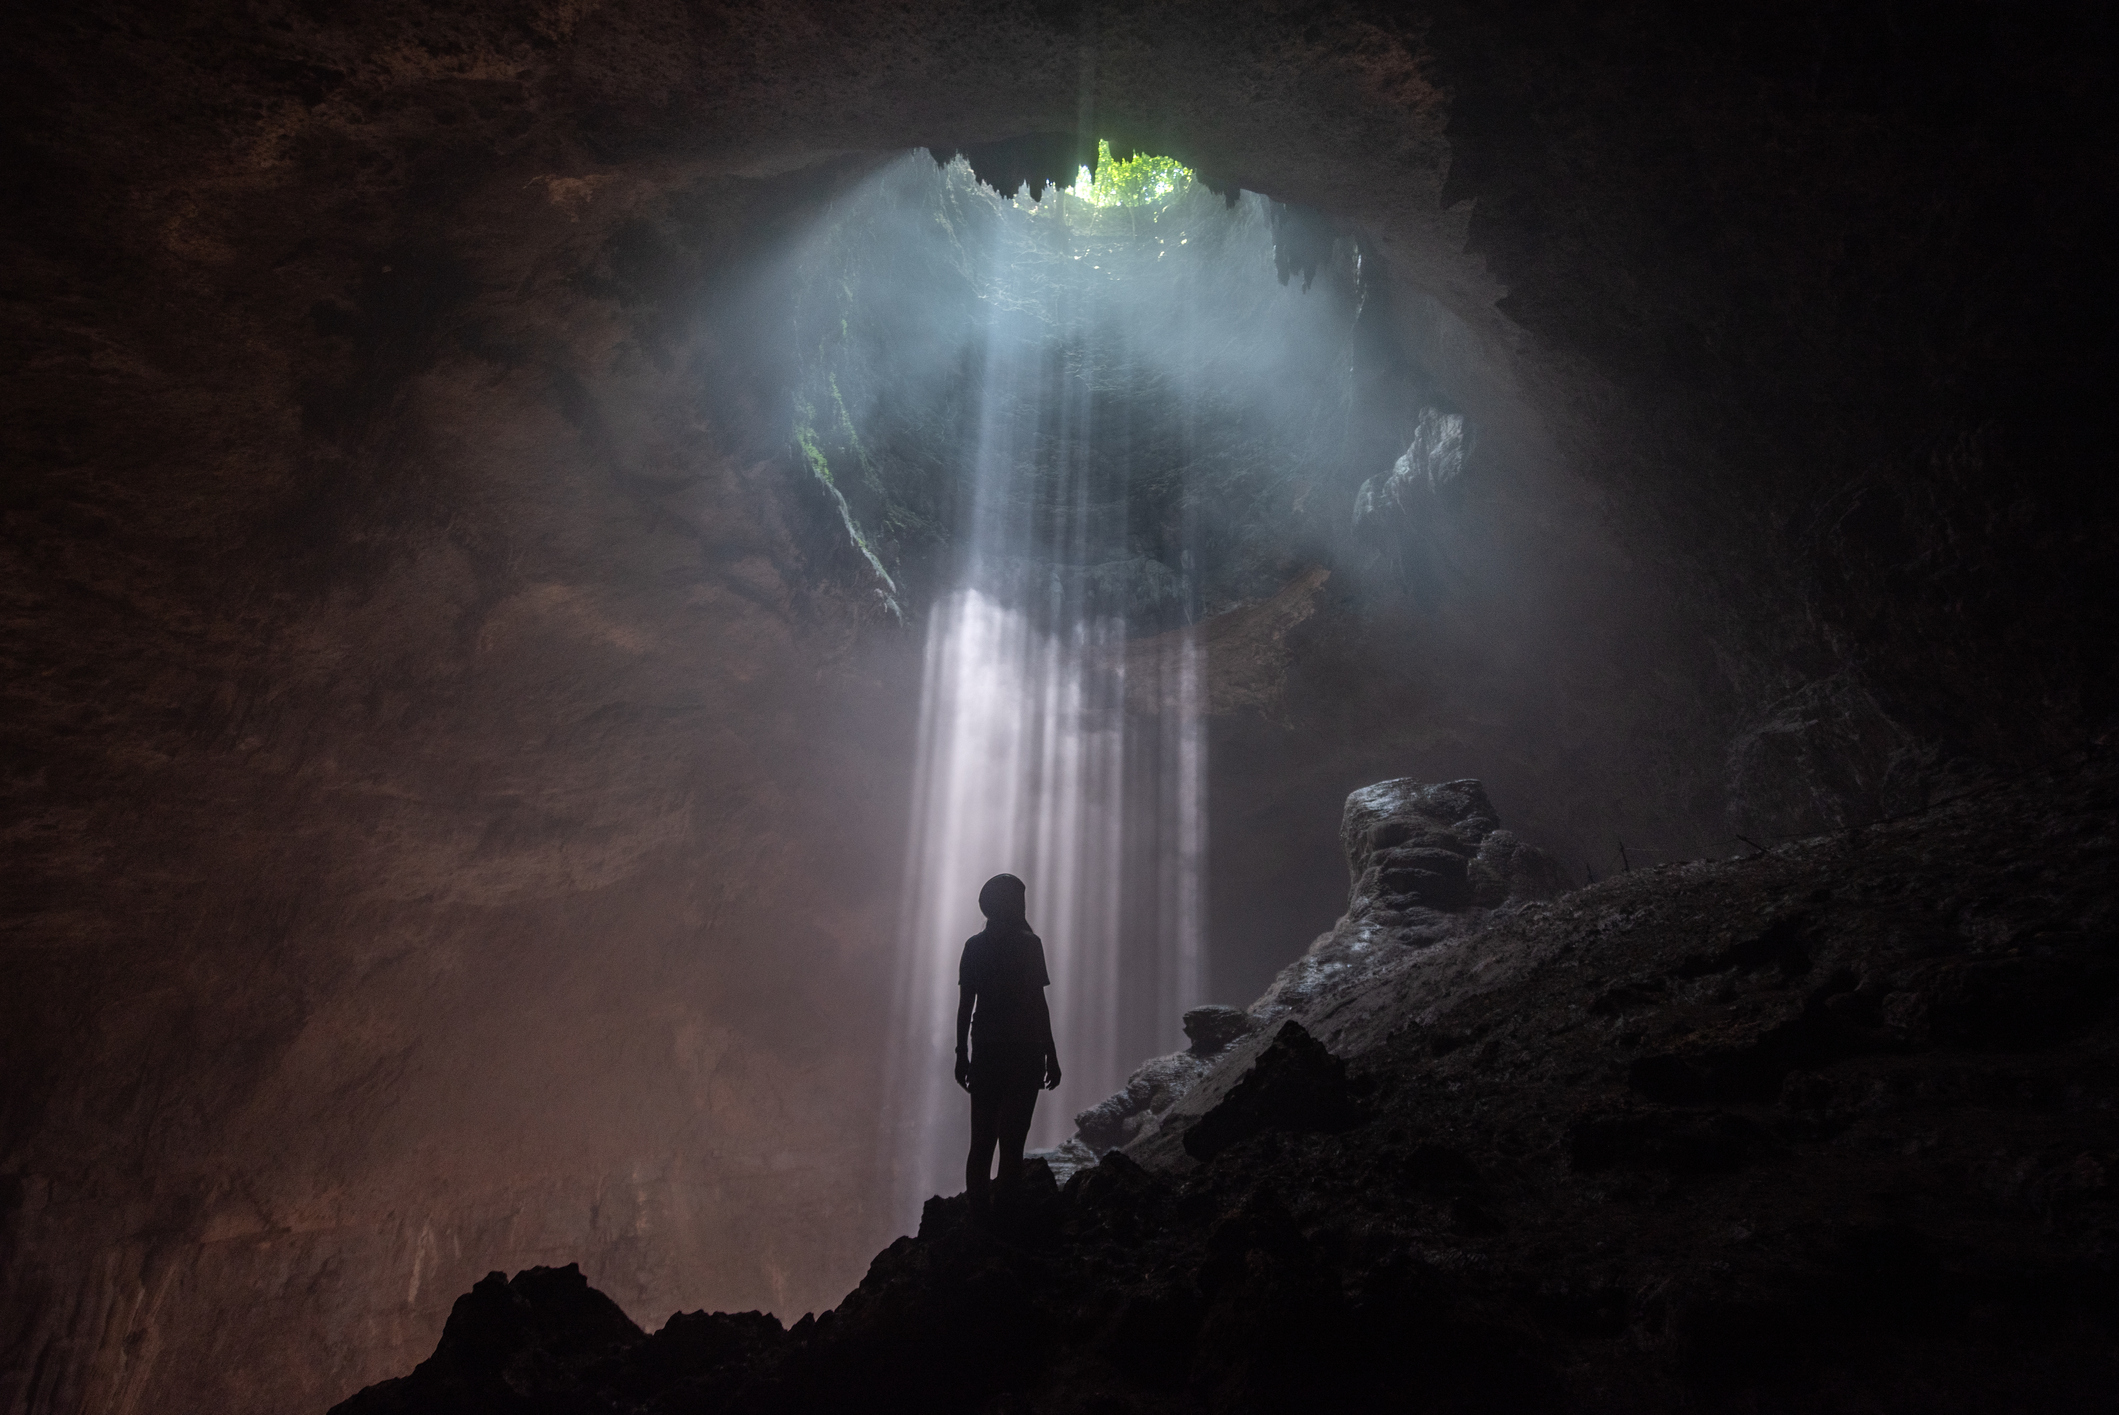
[(1058, 436)]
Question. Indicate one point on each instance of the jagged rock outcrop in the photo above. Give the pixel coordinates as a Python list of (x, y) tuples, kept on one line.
[(1163, 1081), (547, 1341), (1428, 861), (1293, 1085), (1416, 850), (1826, 1128)]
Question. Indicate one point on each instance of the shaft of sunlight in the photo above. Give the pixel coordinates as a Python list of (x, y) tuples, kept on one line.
[(1029, 761)]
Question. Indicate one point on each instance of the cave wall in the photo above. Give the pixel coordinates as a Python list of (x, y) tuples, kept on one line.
[(1831, 261), (435, 878), (453, 809)]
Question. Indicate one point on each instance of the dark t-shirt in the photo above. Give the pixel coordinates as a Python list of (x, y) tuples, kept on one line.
[(1006, 970)]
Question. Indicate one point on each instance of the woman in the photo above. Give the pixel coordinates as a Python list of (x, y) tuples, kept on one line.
[(1004, 1046)]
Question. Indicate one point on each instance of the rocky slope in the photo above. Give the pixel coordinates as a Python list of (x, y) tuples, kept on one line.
[(1427, 862), (1829, 1127)]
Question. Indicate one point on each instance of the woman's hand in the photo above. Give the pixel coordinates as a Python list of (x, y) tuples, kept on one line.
[(1052, 1071), (963, 1070)]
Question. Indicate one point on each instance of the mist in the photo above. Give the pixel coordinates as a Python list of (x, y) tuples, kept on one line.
[(1045, 427)]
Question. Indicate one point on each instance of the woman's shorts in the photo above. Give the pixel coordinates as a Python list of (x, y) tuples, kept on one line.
[(1003, 1071)]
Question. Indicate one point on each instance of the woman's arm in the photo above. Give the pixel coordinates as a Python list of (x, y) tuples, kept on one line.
[(966, 994), (1044, 1020)]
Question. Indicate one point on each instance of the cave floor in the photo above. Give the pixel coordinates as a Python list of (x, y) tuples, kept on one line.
[(1829, 1127)]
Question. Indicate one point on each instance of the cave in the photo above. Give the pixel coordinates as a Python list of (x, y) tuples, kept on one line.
[(1529, 586)]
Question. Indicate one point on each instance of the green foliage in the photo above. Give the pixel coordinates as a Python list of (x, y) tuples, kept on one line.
[(806, 439), (820, 467), (1137, 181)]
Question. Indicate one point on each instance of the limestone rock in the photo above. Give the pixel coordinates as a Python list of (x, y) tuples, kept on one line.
[(1117, 1119), (1066, 1159), (1131, 1113), (1420, 845), (1295, 1084), (1426, 862), (546, 1330), (1214, 1028)]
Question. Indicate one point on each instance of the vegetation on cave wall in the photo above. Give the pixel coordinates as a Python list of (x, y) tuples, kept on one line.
[(1140, 180)]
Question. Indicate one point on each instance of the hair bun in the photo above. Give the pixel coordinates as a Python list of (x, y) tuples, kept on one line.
[(1003, 898)]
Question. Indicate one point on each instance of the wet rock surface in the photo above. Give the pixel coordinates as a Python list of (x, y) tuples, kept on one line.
[(1827, 1128)]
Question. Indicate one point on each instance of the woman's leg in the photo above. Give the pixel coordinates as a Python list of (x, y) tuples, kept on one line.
[(984, 1129), (1016, 1106)]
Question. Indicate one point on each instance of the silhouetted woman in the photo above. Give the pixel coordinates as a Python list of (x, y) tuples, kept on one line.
[(1001, 1012)]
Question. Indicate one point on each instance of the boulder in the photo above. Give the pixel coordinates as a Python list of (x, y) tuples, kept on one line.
[(1117, 1119), (1426, 862), (1211, 1029), (1066, 1159), (534, 1343), (1294, 1085), (1436, 845), (1124, 1117)]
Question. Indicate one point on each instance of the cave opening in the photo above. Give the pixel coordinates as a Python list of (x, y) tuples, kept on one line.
[(1048, 430), (484, 485)]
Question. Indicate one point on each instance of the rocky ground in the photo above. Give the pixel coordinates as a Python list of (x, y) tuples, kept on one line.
[(1829, 1127)]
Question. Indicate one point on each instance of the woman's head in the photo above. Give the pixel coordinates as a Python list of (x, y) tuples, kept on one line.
[(1002, 900)]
